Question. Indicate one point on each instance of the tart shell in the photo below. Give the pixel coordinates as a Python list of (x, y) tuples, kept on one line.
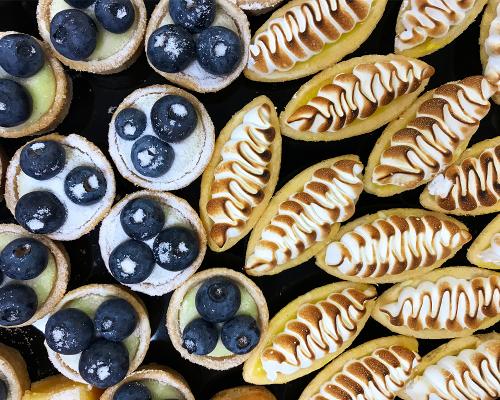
[(245, 393), (488, 16), (258, 7), (15, 371), (482, 242)]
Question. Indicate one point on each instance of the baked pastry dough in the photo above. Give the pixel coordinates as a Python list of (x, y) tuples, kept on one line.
[(445, 303), (392, 246), (241, 177), (428, 136), (489, 41), (306, 36), (245, 393), (14, 372), (59, 387), (485, 249)]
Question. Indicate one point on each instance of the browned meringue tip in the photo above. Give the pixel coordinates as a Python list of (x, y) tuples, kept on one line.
[(14, 372)]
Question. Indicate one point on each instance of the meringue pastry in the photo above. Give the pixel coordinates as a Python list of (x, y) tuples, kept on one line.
[(241, 177), (257, 7), (14, 373), (392, 246), (445, 303), (489, 41), (245, 393), (59, 387), (485, 249)]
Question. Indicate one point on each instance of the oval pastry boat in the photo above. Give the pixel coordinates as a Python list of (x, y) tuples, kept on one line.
[(304, 214), (445, 303), (258, 7), (392, 246), (485, 249), (240, 179), (14, 371), (245, 393), (489, 45), (286, 351), (354, 97), (300, 38)]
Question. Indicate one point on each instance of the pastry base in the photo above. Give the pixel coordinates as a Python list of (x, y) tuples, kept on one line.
[(482, 242), (489, 15), (15, 372), (245, 393)]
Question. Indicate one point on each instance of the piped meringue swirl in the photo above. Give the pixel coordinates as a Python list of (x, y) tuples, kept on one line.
[(317, 330), (424, 19), (307, 216), (241, 175), (392, 245), (359, 94), (428, 143), (449, 303), (471, 374), (303, 31), (492, 50), (492, 253)]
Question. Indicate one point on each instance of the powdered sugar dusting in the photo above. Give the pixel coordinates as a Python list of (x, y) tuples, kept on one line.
[(139, 216), (37, 146), (78, 190), (122, 13), (182, 247), (179, 110), (169, 44), (35, 223), (3, 106), (129, 129), (164, 252), (93, 182), (128, 266), (146, 156), (220, 50)]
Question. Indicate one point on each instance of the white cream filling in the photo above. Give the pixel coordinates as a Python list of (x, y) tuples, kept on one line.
[(492, 253), (440, 186)]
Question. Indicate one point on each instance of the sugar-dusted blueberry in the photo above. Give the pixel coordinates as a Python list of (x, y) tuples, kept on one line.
[(193, 15), (171, 48), (219, 50), (73, 34), (218, 299), (15, 103), (69, 331), (240, 334), (200, 337), (40, 212), (142, 218), (115, 320), (85, 185), (18, 303), (42, 159), (21, 55), (173, 118), (115, 16), (131, 262), (175, 248), (151, 156), (134, 390), (130, 123), (80, 3), (24, 258)]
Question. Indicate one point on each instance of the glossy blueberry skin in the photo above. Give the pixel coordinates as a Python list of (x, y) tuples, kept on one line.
[(173, 118), (142, 218), (193, 15), (171, 48), (136, 252), (4, 392), (115, 320), (130, 123), (24, 258), (104, 354), (218, 299), (42, 159), (21, 55), (200, 337), (69, 331), (132, 391), (175, 248), (218, 50), (85, 185), (73, 34), (15, 103), (18, 303), (240, 334), (151, 156), (42, 207), (115, 16), (80, 3)]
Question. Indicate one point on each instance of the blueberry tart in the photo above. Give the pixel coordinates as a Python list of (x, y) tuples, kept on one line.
[(245, 393), (152, 242), (14, 378), (97, 36), (35, 92), (489, 41), (485, 249), (98, 335), (201, 45), (217, 318), (60, 186)]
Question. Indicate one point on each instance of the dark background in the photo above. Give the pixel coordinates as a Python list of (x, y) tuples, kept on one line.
[(93, 101)]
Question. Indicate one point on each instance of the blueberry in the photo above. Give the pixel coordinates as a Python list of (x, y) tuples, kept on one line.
[(115, 320), (85, 185), (115, 16), (42, 159), (18, 303), (142, 218), (218, 50), (21, 55), (40, 212), (175, 248), (69, 331), (130, 123), (171, 48), (104, 363), (24, 258), (80, 3), (15, 103), (4, 392), (218, 299), (193, 15), (173, 118), (131, 262), (73, 34), (240, 334), (132, 391), (151, 156), (200, 337)]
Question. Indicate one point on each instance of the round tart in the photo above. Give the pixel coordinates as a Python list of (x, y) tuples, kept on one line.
[(35, 93), (161, 138), (59, 387), (14, 376), (485, 249), (97, 36), (152, 242), (489, 41), (34, 276), (245, 393), (216, 318), (200, 45), (61, 186), (98, 335)]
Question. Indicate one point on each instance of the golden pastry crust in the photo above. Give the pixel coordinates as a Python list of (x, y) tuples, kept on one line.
[(308, 106), (14, 371), (490, 12), (117, 62), (245, 393), (201, 84), (440, 281), (271, 156), (172, 322), (419, 249), (482, 242)]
